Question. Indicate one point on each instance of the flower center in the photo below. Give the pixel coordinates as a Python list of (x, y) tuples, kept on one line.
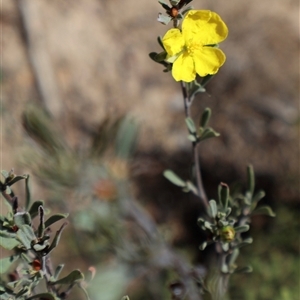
[(191, 46)]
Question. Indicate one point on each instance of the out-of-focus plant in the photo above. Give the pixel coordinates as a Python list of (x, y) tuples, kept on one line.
[(33, 276)]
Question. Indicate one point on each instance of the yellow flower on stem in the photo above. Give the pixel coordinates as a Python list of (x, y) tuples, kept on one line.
[(192, 50)]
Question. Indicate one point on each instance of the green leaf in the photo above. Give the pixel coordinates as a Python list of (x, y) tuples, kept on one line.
[(159, 40), (126, 138), (208, 133), (203, 246), (22, 218), (257, 197), (6, 262), (190, 124), (171, 176), (164, 4), (233, 256), (206, 79), (73, 277), (158, 57), (55, 218), (34, 209), (192, 138), (264, 210), (4, 173), (38, 247), (58, 270), (242, 228), (247, 269), (213, 209), (245, 242), (190, 187), (250, 180), (174, 2), (26, 235), (195, 88), (9, 243), (223, 191), (45, 296), (28, 195), (164, 19), (16, 179), (57, 237), (205, 117)]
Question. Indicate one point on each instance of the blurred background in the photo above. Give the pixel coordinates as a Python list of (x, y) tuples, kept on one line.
[(85, 64)]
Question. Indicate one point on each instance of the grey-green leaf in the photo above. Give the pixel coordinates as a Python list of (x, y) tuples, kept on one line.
[(205, 117), (247, 269), (213, 209), (250, 179), (47, 296), (33, 211), (55, 218), (208, 133), (242, 228), (6, 262), (9, 243), (264, 210), (171, 176), (190, 124), (73, 277)]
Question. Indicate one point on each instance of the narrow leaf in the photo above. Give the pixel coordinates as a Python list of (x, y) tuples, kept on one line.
[(16, 179), (171, 176), (208, 133), (223, 190), (257, 197), (242, 228), (57, 237), (190, 124), (55, 218), (34, 209), (26, 235), (164, 19), (206, 79), (73, 277), (203, 246), (9, 243), (6, 262), (28, 195), (250, 179), (58, 270), (213, 209), (205, 117), (45, 296), (264, 210), (247, 269), (22, 218)]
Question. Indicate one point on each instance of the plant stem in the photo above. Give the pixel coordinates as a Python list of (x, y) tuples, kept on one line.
[(187, 105)]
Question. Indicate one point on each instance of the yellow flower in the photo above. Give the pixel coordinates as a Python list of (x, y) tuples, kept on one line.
[(191, 49)]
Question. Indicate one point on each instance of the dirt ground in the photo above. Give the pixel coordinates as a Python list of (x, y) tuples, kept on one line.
[(86, 59)]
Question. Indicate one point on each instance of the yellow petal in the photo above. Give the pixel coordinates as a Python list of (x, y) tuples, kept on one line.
[(184, 68), (173, 41), (205, 26), (208, 60)]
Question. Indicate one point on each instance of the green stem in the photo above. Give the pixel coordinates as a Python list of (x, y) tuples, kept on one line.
[(187, 105)]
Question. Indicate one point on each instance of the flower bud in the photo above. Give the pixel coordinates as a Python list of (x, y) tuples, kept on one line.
[(227, 234)]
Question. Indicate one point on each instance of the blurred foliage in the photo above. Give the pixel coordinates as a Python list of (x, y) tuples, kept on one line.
[(275, 261)]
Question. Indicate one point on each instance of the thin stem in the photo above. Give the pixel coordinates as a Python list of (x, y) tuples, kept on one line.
[(187, 105)]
